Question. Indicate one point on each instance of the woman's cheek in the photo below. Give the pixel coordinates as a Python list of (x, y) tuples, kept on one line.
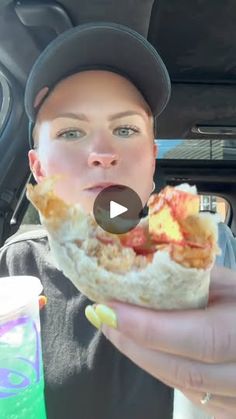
[(143, 154), (145, 165), (58, 160)]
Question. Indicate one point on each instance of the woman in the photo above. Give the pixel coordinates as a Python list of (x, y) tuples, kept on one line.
[(92, 97)]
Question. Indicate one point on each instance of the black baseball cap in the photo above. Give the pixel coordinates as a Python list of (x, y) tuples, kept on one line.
[(104, 46)]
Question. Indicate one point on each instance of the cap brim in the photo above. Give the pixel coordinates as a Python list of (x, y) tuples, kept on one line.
[(101, 46)]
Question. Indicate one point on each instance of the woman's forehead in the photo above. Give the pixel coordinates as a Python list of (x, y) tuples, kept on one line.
[(94, 78), (92, 89)]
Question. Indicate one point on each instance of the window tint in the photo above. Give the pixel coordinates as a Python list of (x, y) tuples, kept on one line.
[(4, 101), (197, 149)]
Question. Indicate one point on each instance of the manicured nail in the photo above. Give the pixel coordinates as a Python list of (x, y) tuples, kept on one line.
[(42, 301), (106, 315), (92, 317)]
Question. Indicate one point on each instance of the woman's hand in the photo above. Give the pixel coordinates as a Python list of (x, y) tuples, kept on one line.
[(191, 350), (42, 301)]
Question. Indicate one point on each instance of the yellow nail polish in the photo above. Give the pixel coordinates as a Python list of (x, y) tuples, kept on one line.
[(106, 315), (92, 317)]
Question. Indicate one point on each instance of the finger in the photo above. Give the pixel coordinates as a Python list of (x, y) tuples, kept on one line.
[(222, 285), (42, 301), (176, 371), (204, 335), (216, 404)]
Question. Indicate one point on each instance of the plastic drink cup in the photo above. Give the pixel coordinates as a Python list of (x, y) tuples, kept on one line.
[(21, 367)]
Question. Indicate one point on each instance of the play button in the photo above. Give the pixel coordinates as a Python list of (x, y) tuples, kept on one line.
[(117, 209)]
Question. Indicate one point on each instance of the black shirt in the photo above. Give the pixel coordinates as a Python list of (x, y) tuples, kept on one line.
[(86, 377)]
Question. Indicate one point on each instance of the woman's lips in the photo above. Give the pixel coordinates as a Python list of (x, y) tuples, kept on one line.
[(98, 188)]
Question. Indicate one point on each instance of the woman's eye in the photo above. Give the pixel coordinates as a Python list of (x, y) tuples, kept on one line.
[(125, 131), (71, 134)]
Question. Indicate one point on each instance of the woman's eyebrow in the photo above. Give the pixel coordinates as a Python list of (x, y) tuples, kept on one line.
[(83, 117), (122, 114), (80, 116)]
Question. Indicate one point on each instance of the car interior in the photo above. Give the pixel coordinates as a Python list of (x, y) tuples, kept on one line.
[(195, 134)]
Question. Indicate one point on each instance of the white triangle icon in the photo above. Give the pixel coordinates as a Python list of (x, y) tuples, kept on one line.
[(116, 209)]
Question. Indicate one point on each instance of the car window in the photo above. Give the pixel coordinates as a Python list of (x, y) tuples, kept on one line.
[(5, 98), (196, 149), (201, 149), (215, 204)]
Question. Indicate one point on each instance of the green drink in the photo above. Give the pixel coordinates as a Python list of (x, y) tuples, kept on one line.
[(21, 368)]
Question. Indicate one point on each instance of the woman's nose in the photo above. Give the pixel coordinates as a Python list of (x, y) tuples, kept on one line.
[(105, 160)]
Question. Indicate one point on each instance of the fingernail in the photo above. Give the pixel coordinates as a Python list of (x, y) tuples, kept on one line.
[(42, 301), (92, 317), (106, 315)]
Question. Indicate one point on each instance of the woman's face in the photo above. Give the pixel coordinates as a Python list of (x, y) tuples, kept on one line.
[(94, 127)]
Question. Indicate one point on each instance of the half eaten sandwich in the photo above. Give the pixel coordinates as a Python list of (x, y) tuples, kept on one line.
[(163, 263)]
